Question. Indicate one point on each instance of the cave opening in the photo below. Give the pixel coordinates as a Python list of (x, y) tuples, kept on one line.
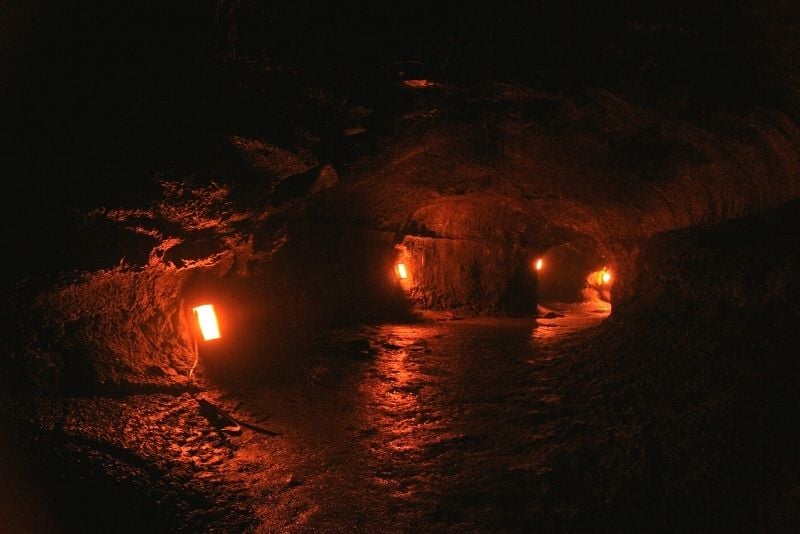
[(573, 274)]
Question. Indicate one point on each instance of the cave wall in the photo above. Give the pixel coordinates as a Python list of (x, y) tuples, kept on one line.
[(330, 274), (473, 192), (132, 328), (276, 313), (748, 264), (704, 352), (507, 164), (469, 276), (107, 330)]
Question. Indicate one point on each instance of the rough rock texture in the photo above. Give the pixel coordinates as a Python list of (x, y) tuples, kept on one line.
[(126, 326), (702, 359), (512, 166), (677, 414), (744, 265), (107, 330), (470, 193), (470, 275), (141, 462)]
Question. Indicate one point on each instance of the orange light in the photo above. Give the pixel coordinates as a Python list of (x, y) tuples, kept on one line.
[(207, 320), (605, 277), (402, 273), (539, 264)]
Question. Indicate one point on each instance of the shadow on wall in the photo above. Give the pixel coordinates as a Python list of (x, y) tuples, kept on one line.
[(704, 347), (276, 313)]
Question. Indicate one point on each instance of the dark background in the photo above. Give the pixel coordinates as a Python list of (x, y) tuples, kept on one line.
[(99, 99)]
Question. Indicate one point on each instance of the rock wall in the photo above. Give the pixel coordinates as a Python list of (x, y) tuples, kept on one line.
[(501, 167), (751, 263), (472, 192), (469, 276), (702, 357), (108, 330)]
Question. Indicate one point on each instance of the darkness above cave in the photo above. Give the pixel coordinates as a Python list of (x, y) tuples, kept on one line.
[(98, 99), (95, 88)]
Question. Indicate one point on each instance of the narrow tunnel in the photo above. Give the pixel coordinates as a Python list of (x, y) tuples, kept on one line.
[(572, 273), (491, 255)]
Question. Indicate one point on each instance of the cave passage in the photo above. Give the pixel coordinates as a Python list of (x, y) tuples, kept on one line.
[(411, 222), (568, 274)]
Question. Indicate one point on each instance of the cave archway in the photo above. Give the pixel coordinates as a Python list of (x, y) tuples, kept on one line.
[(477, 254), (573, 273)]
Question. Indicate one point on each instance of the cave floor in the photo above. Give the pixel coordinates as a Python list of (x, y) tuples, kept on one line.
[(446, 425)]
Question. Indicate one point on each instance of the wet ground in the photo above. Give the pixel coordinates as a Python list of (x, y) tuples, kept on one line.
[(435, 426), (446, 426)]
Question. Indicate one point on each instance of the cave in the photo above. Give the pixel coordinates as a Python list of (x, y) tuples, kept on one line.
[(570, 273), (400, 267)]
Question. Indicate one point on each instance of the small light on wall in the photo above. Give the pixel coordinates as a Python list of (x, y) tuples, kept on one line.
[(402, 272), (207, 321), (539, 264), (605, 276)]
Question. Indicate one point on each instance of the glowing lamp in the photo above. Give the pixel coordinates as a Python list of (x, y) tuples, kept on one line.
[(539, 264), (605, 277), (402, 272), (207, 321)]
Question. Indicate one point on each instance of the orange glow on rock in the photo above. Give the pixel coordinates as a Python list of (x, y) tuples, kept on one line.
[(402, 273), (418, 84), (539, 264), (207, 320)]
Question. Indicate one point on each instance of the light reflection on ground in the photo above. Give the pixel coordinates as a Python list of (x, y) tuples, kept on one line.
[(454, 406), (444, 425), (557, 320), (394, 392)]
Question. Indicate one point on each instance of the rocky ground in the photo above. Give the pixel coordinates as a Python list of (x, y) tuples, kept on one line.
[(437, 424), (480, 425)]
